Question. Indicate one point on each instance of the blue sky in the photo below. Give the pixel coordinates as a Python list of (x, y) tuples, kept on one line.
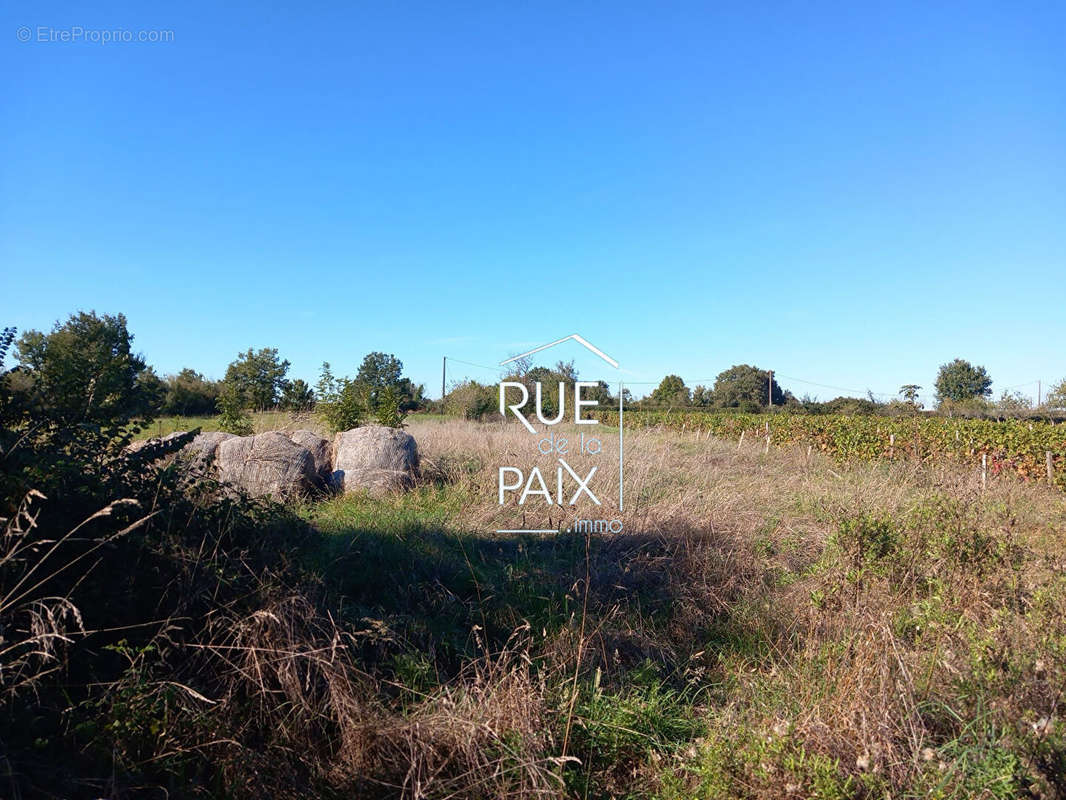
[(850, 194)]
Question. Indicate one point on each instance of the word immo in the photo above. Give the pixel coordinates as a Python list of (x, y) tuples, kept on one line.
[(538, 408)]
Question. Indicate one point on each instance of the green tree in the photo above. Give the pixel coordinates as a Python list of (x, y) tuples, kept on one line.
[(76, 399), (232, 418), (1056, 398), (339, 401), (377, 372), (381, 371), (412, 396), (153, 386), (671, 392), (909, 393), (744, 386), (258, 377), (85, 372), (190, 394), (911, 404), (601, 393), (702, 396), (327, 383), (296, 395), (388, 411), (18, 409), (549, 380), (1014, 405), (959, 381)]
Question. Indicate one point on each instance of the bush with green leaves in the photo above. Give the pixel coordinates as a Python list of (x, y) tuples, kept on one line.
[(119, 572), (960, 381), (232, 418), (670, 393), (190, 394), (702, 397), (852, 406), (1014, 404), (378, 392), (471, 400), (77, 394), (258, 377), (383, 371), (296, 395), (340, 403), (744, 387), (1056, 398), (388, 411), (85, 372)]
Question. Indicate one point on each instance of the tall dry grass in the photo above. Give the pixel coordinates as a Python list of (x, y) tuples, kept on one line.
[(694, 482), (768, 624), (905, 615)]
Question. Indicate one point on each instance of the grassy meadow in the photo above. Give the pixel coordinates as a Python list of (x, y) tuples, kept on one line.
[(770, 623)]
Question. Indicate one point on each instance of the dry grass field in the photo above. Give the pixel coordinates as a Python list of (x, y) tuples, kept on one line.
[(768, 624)]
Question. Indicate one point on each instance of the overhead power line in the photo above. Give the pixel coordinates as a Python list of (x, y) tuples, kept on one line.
[(836, 388), (472, 364)]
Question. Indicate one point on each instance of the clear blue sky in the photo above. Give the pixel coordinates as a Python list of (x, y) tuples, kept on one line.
[(848, 193)]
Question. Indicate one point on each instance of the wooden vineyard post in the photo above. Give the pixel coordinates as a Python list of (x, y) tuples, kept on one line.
[(741, 442), (767, 450), (984, 470), (1049, 459)]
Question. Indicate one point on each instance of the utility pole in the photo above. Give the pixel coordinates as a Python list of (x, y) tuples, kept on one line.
[(1038, 388), (770, 389), (443, 372)]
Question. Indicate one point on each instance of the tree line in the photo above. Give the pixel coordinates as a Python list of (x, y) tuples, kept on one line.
[(86, 367), (86, 360), (961, 389)]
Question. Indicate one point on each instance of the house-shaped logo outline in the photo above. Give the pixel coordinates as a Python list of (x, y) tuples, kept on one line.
[(577, 338), (592, 348)]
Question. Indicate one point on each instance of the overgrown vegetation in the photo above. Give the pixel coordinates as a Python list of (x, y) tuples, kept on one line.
[(190, 394), (471, 400), (379, 392), (780, 629), (771, 623), (120, 571)]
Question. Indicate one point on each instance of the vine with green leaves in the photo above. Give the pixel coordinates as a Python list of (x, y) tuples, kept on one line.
[(1016, 447)]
